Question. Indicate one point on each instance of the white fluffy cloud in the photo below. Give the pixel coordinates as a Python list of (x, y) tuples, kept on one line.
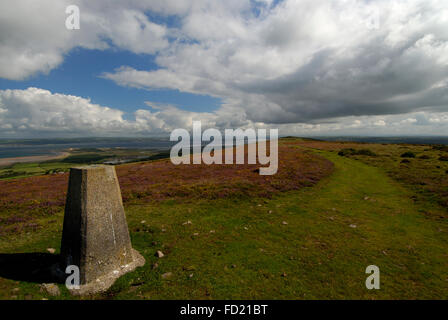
[(34, 38), (38, 111), (301, 65)]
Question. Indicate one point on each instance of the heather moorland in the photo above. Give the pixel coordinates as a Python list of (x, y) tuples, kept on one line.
[(226, 232)]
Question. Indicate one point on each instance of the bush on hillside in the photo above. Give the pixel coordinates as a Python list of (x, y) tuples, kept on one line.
[(440, 147), (408, 154)]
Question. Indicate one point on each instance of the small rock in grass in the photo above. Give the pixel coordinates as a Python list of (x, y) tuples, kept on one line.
[(212, 231), (167, 275), (284, 223), (195, 234), (143, 221), (191, 275), (284, 275), (51, 289), (159, 254), (233, 266), (187, 222), (353, 226), (155, 266), (366, 198), (51, 250), (246, 228), (163, 230)]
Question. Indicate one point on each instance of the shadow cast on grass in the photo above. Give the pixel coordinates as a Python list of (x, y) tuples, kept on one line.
[(30, 267)]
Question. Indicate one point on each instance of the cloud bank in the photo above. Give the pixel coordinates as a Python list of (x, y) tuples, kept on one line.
[(38, 112)]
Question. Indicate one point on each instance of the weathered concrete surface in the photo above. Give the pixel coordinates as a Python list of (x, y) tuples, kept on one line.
[(95, 236)]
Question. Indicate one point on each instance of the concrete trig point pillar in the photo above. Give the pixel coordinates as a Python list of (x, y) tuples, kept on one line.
[(95, 236)]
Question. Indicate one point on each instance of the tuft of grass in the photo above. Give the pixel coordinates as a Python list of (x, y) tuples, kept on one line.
[(354, 152), (408, 154)]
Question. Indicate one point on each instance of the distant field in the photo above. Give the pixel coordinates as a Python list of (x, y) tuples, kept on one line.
[(77, 157), (308, 232)]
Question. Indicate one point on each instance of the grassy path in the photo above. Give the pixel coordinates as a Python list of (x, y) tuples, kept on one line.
[(308, 244), (319, 253)]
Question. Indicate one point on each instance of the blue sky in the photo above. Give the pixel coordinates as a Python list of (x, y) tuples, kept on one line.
[(80, 73)]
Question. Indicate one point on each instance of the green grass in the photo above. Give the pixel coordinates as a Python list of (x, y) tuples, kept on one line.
[(21, 170), (425, 175), (245, 258)]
